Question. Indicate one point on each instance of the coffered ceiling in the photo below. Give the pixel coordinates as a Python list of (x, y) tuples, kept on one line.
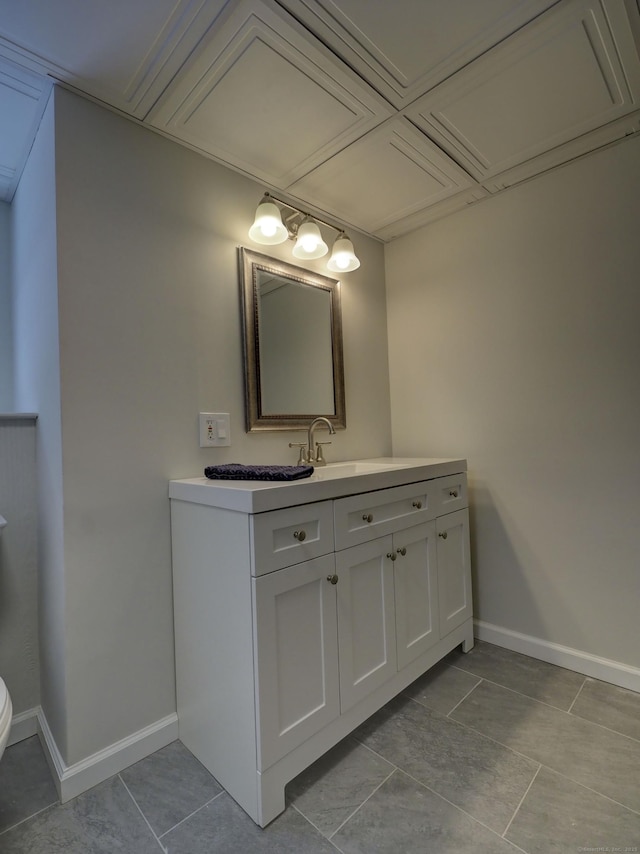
[(382, 115)]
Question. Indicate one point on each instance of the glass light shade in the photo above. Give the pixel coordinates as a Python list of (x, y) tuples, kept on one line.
[(343, 258), (268, 228), (309, 242)]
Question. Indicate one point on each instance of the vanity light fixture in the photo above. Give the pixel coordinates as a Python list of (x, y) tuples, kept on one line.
[(269, 229), (343, 258), (309, 242)]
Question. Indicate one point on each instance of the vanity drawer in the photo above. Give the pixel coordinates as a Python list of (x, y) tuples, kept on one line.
[(284, 537), (452, 493), (373, 514)]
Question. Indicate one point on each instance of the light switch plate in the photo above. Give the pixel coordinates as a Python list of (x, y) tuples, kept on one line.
[(215, 429)]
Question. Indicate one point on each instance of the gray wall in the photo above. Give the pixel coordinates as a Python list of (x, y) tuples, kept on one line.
[(6, 328), (513, 336), (148, 319), (18, 563), (37, 389)]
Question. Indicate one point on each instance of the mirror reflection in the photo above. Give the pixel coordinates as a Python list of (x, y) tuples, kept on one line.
[(293, 345)]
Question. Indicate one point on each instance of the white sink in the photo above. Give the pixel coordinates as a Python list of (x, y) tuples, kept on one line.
[(332, 470)]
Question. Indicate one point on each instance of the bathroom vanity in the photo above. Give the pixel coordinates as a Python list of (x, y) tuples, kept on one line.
[(302, 607)]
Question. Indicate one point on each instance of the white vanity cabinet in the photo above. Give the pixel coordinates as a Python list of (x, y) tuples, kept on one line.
[(296, 654), (454, 578), (387, 608), (294, 622), (416, 592)]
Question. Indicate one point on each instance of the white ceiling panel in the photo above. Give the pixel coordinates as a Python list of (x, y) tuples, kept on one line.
[(384, 114), (259, 96), (614, 131), (432, 212), (411, 173), (22, 96), (405, 49), (565, 75), (112, 50)]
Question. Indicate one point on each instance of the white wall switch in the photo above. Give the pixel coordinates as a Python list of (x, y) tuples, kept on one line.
[(215, 429)]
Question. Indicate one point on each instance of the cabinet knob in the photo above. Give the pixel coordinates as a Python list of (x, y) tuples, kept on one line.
[(300, 535), (367, 517), (333, 579), (402, 551), (443, 534), (454, 493), (417, 505), (392, 556)]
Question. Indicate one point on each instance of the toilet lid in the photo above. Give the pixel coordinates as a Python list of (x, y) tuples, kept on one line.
[(3, 696)]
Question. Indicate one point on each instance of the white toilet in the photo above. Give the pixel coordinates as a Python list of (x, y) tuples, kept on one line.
[(6, 709)]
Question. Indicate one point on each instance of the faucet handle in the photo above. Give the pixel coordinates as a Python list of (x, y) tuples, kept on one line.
[(304, 454), (320, 460)]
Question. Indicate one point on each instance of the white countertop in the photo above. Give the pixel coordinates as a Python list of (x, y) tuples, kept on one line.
[(332, 481)]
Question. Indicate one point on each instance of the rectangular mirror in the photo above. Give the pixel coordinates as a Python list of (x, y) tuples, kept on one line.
[(292, 329)]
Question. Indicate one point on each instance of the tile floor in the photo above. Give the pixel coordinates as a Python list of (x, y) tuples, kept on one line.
[(490, 752)]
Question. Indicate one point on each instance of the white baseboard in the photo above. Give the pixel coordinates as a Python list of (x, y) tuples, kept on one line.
[(72, 780), (573, 659), (23, 725)]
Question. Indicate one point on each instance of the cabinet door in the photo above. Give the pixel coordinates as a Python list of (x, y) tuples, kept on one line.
[(297, 691), (454, 570), (366, 619), (416, 591)]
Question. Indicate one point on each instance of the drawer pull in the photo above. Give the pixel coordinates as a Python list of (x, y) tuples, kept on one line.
[(417, 505), (300, 535), (367, 517), (333, 579), (402, 551), (443, 534), (392, 556), (454, 493)]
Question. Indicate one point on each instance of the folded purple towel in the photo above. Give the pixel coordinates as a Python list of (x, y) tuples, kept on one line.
[(236, 471)]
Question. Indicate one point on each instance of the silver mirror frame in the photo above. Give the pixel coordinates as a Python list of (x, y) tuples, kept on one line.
[(250, 263)]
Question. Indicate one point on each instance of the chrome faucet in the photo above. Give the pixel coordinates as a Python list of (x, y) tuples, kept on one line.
[(311, 453), (315, 456)]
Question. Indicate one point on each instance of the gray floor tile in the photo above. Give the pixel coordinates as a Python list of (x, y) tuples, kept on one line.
[(610, 706), (573, 818), (403, 817), (222, 827), (473, 772), (581, 750), (533, 678), (462, 738), (103, 820), (26, 785), (330, 790), (442, 687), (169, 785)]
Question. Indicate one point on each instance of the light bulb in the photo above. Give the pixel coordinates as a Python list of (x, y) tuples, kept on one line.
[(343, 258), (267, 227), (309, 242)]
